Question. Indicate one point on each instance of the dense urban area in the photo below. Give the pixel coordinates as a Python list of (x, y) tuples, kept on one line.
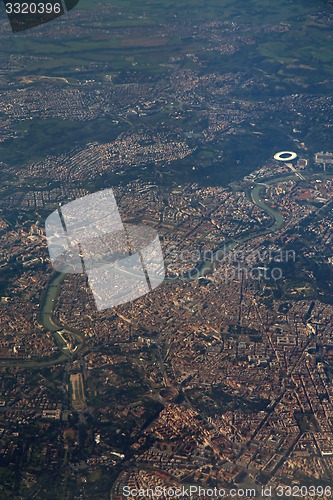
[(222, 375)]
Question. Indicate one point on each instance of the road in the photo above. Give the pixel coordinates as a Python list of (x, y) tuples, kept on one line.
[(53, 288)]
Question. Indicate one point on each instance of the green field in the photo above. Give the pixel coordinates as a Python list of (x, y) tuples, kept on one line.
[(139, 42), (64, 54)]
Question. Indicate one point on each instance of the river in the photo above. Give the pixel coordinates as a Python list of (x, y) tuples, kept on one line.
[(49, 298)]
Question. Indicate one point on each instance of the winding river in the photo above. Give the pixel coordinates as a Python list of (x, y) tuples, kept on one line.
[(50, 296)]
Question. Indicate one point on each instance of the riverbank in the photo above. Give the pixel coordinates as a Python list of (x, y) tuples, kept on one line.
[(50, 296)]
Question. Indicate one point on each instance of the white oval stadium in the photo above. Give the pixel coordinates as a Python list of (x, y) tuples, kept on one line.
[(285, 156)]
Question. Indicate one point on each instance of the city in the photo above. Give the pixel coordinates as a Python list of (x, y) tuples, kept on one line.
[(221, 377)]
